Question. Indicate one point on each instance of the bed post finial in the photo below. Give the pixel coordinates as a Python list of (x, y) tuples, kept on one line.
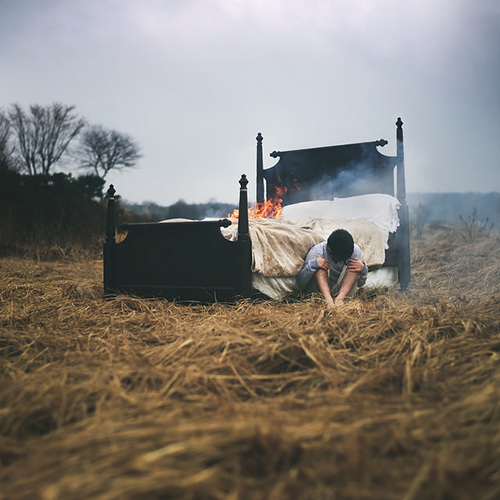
[(260, 169)]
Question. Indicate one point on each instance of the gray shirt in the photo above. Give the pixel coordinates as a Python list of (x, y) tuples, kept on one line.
[(311, 266)]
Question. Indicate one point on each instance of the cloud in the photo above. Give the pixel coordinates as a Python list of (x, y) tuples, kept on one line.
[(194, 81)]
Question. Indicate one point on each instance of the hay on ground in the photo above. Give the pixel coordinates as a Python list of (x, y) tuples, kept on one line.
[(391, 396)]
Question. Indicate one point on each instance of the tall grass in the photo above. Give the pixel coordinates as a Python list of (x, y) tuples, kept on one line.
[(391, 396)]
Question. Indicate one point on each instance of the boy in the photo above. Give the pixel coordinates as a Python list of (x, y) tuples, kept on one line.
[(334, 268)]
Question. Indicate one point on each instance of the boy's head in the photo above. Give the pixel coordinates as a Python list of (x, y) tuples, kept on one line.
[(340, 245)]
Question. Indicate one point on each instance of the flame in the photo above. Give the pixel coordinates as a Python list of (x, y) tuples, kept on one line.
[(270, 209)]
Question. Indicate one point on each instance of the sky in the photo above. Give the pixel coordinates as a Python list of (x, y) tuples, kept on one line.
[(194, 81)]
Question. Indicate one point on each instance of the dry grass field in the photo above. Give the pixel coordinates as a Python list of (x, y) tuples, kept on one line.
[(391, 396)]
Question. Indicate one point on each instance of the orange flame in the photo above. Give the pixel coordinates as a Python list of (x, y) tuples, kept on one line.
[(270, 209)]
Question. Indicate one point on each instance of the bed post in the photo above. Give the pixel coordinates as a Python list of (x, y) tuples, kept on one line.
[(260, 169), (403, 234), (243, 209), (110, 239), (244, 240)]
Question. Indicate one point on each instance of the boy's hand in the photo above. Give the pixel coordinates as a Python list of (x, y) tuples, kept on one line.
[(323, 263), (355, 265)]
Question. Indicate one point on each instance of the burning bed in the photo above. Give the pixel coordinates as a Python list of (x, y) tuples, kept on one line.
[(259, 250)]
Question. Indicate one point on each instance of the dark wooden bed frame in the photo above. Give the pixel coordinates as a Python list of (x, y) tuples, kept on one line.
[(193, 262)]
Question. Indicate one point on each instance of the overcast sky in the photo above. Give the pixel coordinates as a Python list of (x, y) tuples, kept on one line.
[(194, 81)]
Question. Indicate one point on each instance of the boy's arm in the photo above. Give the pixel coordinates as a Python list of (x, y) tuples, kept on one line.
[(358, 266), (363, 275), (310, 266)]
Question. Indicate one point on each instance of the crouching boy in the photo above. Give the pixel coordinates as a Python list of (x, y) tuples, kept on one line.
[(334, 268)]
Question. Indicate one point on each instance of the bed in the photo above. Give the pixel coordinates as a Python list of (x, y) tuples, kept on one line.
[(353, 186)]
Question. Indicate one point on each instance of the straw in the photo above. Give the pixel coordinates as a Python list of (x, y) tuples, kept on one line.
[(390, 396)]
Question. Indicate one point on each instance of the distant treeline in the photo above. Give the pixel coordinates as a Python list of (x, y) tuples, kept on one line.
[(454, 208), (58, 212), (50, 210)]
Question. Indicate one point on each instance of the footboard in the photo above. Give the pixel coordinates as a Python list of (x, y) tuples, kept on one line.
[(184, 261)]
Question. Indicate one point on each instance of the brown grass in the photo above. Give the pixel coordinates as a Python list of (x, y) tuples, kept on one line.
[(391, 396)]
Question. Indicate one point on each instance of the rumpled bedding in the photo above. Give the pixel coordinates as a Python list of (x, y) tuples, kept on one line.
[(280, 246)]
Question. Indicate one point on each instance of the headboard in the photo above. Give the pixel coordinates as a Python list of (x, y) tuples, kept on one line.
[(342, 171)]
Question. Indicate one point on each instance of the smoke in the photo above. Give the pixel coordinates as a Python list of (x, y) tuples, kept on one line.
[(360, 180), (355, 180), (438, 208)]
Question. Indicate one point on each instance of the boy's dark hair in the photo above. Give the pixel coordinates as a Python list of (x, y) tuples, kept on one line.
[(341, 244)]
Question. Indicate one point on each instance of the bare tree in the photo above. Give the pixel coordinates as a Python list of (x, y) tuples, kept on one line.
[(102, 150), (6, 148), (43, 134)]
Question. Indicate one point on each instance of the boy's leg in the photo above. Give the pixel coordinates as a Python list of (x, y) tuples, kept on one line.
[(346, 286)]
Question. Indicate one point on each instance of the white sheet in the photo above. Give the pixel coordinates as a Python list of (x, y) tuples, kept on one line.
[(379, 208)]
